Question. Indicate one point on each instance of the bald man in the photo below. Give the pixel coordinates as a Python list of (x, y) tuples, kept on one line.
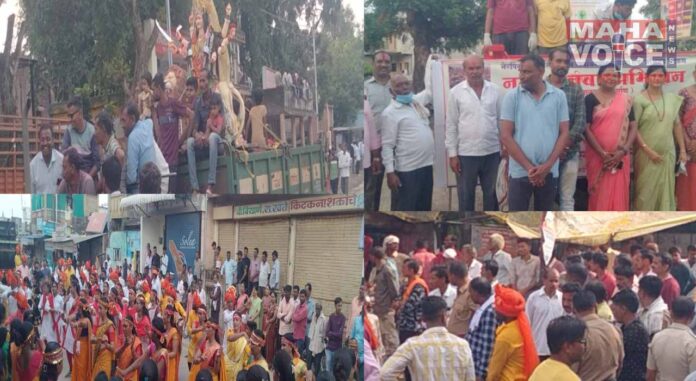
[(408, 147), (544, 305), (472, 142)]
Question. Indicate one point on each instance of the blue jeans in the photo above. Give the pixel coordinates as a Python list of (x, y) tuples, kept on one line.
[(213, 141), (329, 360)]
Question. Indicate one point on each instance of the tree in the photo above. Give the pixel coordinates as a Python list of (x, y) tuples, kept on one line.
[(434, 25)]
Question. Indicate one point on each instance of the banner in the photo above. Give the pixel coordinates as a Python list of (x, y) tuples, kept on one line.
[(680, 11), (182, 235)]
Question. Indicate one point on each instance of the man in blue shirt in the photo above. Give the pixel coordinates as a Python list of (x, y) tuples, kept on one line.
[(141, 144), (534, 130)]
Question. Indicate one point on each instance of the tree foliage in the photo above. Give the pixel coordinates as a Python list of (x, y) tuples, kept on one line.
[(441, 25)]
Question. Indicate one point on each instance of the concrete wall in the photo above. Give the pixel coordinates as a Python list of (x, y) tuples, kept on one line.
[(152, 232)]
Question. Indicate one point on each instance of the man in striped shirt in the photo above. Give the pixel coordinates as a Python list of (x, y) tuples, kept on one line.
[(434, 355)]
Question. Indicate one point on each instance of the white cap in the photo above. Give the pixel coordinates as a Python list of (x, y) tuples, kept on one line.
[(390, 239), (450, 254)]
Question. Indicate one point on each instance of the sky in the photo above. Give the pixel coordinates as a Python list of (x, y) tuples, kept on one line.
[(11, 204)]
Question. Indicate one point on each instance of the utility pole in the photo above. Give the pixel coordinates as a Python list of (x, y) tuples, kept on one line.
[(169, 31), (316, 85)]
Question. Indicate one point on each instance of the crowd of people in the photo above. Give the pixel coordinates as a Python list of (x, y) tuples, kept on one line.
[(117, 323), (591, 313), (640, 151)]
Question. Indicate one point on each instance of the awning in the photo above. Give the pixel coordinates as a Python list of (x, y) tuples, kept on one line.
[(83, 238), (144, 199), (594, 228)]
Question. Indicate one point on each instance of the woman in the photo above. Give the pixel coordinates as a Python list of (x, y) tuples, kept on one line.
[(104, 135), (657, 115), (236, 354), (71, 307), (611, 130), (173, 340), (208, 355), (129, 352), (255, 312), (265, 304), (686, 185), (82, 349), (160, 356), (142, 318), (26, 359), (103, 340), (282, 366), (299, 367), (195, 326), (270, 326)]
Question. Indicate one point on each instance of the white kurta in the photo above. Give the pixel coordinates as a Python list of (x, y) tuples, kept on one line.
[(69, 340), (227, 316), (49, 317)]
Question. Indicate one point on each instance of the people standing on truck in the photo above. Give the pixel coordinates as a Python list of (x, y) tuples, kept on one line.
[(344, 164), (80, 135), (256, 123), (512, 23), (46, 167), (141, 144), (75, 180), (552, 18)]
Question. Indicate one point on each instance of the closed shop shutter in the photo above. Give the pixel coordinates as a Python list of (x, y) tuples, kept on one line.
[(267, 235), (226, 238), (327, 256)]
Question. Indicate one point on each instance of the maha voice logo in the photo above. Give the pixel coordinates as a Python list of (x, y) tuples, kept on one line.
[(625, 43)]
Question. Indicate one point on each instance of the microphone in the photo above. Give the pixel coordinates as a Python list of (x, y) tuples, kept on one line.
[(617, 48)]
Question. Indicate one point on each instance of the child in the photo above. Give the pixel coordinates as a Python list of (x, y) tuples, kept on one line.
[(145, 96), (215, 119)]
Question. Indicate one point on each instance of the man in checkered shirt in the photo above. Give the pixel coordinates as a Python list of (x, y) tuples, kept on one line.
[(481, 333)]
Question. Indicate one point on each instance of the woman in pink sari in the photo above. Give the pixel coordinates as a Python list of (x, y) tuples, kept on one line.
[(686, 185), (610, 132)]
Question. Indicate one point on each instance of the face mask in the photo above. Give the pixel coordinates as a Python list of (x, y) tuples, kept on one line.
[(618, 16), (405, 99)]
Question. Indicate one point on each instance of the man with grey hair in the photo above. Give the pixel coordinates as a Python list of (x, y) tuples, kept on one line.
[(472, 264), (473, 145), (395, 258), (496, 244), (408, 147)]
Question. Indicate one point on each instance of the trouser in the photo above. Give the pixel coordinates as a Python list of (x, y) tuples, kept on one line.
[(516, 43), (213, 141), (520, 190), (373, 189), (344, 185), (388, 333), (329, 360), (473, 169), (254, 285), (361, 370), (300, 346), (334, 185), (403, 336), (416, 191), (317, 362), (546, 50), (567, 181), (357, 164)]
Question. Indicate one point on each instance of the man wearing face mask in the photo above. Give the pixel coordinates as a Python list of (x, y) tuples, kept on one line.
[(614, 10), (570, 159), (408, 147)]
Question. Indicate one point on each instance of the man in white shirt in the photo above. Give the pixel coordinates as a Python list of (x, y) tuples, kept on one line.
[(544, 305), (472, 141), (653, 312), (496, 243), (275, 272), (525, 268), (264, 272), (201, 292), (317, 332), (441, 287), (408, 147), (357, 152), (344, 164), (229, 270), (165, 262), (156, 283), (473, 266), (46, 167)]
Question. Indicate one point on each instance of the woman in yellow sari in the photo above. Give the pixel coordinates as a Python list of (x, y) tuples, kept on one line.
[(103, 341), (82, 358), (195, 326), (129, 352), (26, 358), (236, 354), (209, 355), (173, 340), (161, 354)]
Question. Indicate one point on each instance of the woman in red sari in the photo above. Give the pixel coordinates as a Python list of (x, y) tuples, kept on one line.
[(209, 355), (160, 356), (611, 130), (26, 358), (686, 185), (270, 324)]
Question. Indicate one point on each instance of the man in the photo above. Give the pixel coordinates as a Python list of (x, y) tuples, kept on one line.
[(50, 314), (334, 332), (464, 307), (471, 138), (424, 259), (229, 270), (111, 176), (254, 270), (525, 268), (603, 352), (80, 136), (378, 98), (46, 167), (299, 321), (242, 269), (680, 271), (317, 333), (156, 260), (624, 306), (603, 310), (344, 163), (544, 305), (311, 304), (422, 354), (576, 273), (653, 312), (473, 266), (513, 25), (75, 180), (672, 352), (490, 272), (598, 265), (440, 286), (566, 341), (449, 242), (569, 290), (552, 18), (614, 10), (559, 60), (408, 147), (481, 332), (202, 138), (167, 113), (385, 290), (691, 253), (625, 278), (408, 306), (391, 248), (357, 151), (264, 272), (670, 287), (216, 299), (286, 307), (514, 356), (642, 263), (274, 278), (496, 244), (534, 130), (164, 267), (141, 143)]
